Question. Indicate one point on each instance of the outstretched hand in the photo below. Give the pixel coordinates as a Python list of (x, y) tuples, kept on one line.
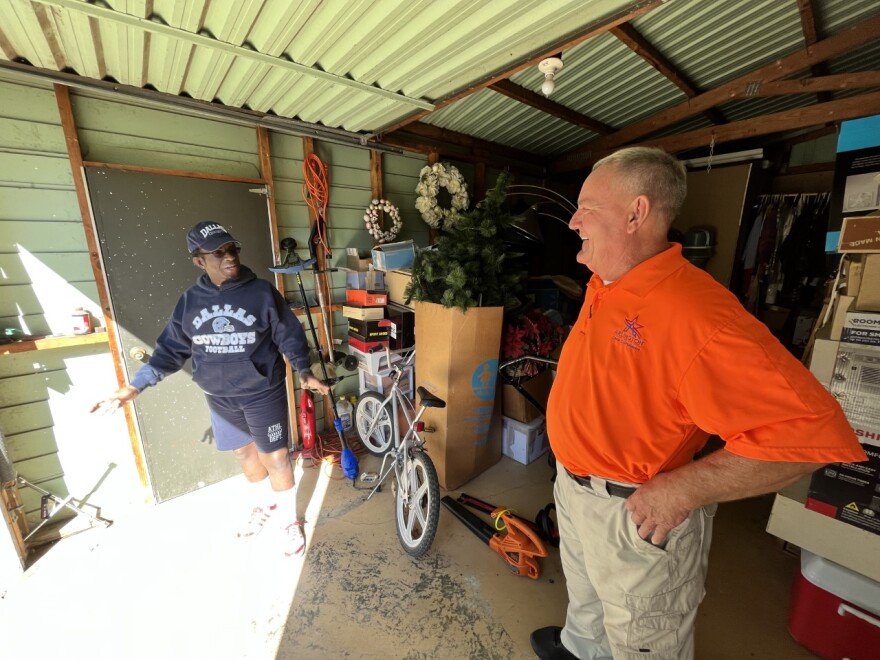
[(114, 402), (312, 383), (656, 508)]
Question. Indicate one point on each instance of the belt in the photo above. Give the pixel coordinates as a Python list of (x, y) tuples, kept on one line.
[(613, 489)]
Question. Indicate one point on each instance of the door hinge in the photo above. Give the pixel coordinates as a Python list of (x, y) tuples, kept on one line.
[(260, 191)]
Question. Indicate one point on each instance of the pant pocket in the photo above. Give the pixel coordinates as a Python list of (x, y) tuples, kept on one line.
[(655, 629)]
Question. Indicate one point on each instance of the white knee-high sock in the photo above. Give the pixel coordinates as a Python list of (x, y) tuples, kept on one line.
[(286, 511), (260, 494)]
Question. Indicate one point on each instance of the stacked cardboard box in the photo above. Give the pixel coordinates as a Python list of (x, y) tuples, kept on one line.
[(846, 359)]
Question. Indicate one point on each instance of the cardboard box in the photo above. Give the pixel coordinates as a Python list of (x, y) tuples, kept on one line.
[(363, 313), (844, 544), (368, 330), (372, 280), (841, 306), (364, 298), (524, 442), (849, 492), (861, 328), (394, 255), (397, 281), (381, 382), (853, 265), (354, 261), (823, 359), (460, 365), (868, 290), (860, 235), (854, 385), (403, 326), (517, 407), (367, 346)]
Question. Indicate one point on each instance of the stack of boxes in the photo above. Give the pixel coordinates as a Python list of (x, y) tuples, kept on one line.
[(378, 328), (846, 359), (523, 426)]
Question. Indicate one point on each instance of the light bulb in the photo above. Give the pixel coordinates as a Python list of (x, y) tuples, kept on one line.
[(549, 84)]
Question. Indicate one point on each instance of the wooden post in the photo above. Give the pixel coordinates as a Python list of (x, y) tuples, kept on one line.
[(376, 184), (320, 281), (74, 155), (433, 234), (269, 182), (479, 183)]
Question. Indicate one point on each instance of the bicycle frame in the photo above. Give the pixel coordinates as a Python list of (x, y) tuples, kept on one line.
[(399, 403)]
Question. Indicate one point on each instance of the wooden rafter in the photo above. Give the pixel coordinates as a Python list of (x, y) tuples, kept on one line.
[(628, 13), (637, 43), (830, 83), (528, 97), (811, 36), (737, 88), (426, 138), (787, 120)]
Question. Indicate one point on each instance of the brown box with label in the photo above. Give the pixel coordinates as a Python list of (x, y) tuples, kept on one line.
[(457, 360)]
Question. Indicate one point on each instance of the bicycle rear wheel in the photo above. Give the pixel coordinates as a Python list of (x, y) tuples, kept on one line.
[(369, 408), (417, 510)]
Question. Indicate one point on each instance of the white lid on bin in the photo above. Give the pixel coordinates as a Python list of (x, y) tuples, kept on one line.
[(847, 585)]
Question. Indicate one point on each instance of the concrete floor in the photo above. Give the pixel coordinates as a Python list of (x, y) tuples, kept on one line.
[(172, 582)]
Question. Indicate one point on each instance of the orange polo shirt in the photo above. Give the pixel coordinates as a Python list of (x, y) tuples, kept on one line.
[(665, 356)]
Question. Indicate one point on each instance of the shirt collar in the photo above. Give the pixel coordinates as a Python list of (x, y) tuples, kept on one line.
[(645, 276)]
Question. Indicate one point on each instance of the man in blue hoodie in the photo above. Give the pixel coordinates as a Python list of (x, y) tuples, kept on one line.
[(236, 327)]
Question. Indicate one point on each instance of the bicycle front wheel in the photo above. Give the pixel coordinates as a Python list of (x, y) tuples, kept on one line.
[(417, 507), (369, 409)]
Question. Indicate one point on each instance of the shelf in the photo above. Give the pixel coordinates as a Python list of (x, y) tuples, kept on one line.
[(46, 343)]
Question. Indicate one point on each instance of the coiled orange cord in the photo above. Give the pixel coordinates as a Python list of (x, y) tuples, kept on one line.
[(316, 193)]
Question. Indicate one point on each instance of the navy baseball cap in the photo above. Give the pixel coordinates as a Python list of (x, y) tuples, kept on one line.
[(208, 236)]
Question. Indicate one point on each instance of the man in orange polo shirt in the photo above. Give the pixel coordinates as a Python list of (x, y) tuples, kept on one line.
[(662, 356)]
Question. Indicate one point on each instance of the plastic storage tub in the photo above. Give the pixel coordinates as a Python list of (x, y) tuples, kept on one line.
[(835, 613)]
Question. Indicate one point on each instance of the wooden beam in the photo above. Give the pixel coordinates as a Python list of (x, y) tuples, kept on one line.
[(376, 185), (530, 98), (268, 180), (636, 42), (830, 83), (628, 13), (74, 155), (842, 42), (814, 115), (811, 36), (169, 172), (320, 281)]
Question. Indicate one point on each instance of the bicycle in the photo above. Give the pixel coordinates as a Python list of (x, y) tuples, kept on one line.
[(416, 487)]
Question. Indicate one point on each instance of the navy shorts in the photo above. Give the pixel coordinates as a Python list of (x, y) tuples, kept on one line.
[(262, 418)]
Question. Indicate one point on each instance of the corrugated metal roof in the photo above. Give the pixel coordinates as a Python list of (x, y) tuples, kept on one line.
[(364, 65)]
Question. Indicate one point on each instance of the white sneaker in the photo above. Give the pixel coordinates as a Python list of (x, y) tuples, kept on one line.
[(257, 520), (294, 542)]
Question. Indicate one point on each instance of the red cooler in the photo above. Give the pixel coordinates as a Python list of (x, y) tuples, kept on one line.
[(835, 612)]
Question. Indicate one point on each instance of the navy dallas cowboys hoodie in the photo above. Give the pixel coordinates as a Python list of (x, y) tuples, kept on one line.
[(233, 333)]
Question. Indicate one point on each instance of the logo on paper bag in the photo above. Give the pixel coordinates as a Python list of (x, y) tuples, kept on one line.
[(483, 380)]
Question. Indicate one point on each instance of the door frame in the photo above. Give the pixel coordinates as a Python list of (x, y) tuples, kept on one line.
[(77, 166)]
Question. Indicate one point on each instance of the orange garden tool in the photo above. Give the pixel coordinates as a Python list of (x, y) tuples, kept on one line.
[(519, 546)]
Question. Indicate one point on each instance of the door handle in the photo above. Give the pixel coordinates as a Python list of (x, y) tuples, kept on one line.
[(138, 353)]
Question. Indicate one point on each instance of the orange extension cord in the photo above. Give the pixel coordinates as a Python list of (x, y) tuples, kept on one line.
[(316, 192)]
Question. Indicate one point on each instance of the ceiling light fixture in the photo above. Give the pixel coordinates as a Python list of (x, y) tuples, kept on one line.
[(550, 67)]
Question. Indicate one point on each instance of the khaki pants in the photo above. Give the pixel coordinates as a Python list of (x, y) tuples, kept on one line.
[(627, 598)]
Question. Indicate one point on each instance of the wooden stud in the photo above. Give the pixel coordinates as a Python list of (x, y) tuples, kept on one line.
[(539, 102), (268, 180), (320, 281), (479, 182), (433, 232), (74, 155), (376, 184)]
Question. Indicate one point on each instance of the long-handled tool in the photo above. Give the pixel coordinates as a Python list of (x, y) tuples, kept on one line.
[(519, 547), (292, 264)]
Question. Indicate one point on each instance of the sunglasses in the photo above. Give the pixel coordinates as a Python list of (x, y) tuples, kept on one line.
[(219, 253)]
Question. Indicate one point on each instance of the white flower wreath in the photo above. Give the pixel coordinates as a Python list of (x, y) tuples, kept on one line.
[(431, 179), (371, 218)]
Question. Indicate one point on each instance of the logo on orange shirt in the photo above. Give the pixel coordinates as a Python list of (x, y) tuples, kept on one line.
[(630, 335)]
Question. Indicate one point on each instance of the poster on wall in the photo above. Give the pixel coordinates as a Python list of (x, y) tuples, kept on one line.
[(856, 189)]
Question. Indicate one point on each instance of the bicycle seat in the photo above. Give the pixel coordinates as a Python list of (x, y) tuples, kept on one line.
[(429, 400)]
